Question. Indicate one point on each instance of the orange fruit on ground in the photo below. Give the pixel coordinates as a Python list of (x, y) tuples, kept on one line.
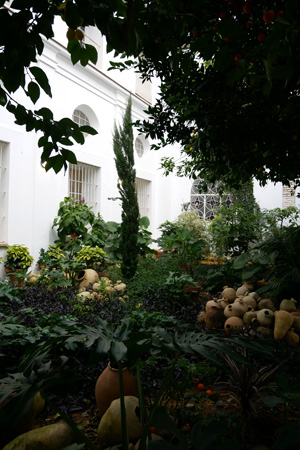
[(209, 392), (200, 386)]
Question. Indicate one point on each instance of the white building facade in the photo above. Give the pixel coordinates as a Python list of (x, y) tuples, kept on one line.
[(92, 95), (30, 196)]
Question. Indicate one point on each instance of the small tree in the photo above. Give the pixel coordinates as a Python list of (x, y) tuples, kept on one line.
[(124, 159), (238, 226)]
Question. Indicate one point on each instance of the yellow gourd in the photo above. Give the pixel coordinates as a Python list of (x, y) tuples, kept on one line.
[(50, 437), (283, 322), (110, 431)]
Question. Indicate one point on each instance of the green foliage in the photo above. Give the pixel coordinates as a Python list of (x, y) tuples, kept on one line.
[(149, 279), (276, 259), (248, 68), (285, 392), (215, 277), (93, 257), (176, 281), (17, 257), (74, 221), (50, 257), (238, 226), (275, 220), (124, 159), (183, 243)]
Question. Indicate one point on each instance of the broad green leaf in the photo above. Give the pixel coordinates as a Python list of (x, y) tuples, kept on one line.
[(41, 79), (33, 91), (92, 53)]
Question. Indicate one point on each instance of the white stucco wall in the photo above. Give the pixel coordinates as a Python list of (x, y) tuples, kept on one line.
[(34, 195)]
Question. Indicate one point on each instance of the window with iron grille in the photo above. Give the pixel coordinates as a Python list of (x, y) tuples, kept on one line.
[(83, 184), (3, 190), (143, 195), (206, 203)]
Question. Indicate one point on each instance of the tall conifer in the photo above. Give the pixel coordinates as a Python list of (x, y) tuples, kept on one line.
[(124, 159)]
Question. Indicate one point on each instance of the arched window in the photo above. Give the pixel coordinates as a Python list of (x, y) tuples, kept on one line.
[(139, 148), (206, 203), (83, 115), (80, 118)]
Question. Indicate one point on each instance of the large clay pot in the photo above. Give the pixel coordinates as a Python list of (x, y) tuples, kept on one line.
[(87, 278), (13, 278), (233, 325), (108, 388), (214, 318)]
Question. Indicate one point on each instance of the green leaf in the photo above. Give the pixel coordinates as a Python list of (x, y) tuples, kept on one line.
[(271, 402), (55, 162), (91, 53), (41, 79), (241, 261), (3, 98), (69, 156), (46, 113), (73, 18), (75, 49), (118, 352), (33, 91), (88, 129)]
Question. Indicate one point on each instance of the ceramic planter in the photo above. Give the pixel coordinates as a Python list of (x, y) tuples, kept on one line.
[(108, 388)]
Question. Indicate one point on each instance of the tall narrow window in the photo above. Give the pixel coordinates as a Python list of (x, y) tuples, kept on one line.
[(83, 184), (143, 195), (3, 190)]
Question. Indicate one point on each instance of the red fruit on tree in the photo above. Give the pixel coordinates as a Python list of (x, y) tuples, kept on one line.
[(261, 37), (269, 16), (247, 8)]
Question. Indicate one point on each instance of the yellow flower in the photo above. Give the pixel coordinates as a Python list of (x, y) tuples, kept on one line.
[(138, 305)]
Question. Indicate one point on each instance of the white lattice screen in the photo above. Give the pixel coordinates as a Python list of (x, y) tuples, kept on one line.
[(83, 184), (143, 195)]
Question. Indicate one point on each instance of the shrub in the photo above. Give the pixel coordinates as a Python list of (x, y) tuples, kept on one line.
[(94, 257)]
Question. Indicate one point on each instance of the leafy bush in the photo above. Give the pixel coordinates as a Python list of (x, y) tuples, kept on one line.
[(93, 257), (277, 260), (237, 226), (17, 257), (182, 243)]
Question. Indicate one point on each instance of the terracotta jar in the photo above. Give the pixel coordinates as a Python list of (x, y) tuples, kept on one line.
[(108, 388)]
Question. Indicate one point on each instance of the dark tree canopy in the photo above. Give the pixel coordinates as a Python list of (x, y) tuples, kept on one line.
[(230, 72)]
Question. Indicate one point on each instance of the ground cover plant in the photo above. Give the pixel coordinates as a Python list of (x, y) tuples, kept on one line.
[(199, 388)]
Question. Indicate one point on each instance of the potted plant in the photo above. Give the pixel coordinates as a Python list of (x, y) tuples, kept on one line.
[(17, 259), (50, 258)]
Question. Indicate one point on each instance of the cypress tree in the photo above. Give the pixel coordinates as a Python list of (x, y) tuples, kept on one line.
[(124, 159)]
